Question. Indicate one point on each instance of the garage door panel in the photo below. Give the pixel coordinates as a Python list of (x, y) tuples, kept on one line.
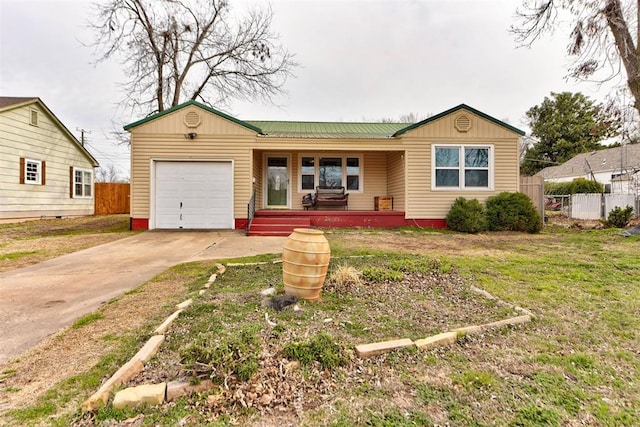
[(194, 195)]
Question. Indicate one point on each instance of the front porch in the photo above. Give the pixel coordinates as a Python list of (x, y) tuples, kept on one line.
[(282, 222)]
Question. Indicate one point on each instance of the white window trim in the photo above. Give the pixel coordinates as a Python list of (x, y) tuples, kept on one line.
[(344, 170), (38, 180), (82, 196), (461, 167)]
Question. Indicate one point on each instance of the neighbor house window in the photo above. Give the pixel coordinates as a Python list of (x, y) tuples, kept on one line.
[(31, 171), (462, 167), (82, 182), (333, 171)]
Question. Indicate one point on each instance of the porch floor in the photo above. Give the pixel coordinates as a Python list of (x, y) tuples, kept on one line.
[(281, 222)]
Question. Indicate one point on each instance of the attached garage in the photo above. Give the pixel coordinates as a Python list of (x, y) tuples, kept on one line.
[(193, 195)]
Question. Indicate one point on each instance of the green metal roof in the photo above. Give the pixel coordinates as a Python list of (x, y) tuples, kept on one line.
[(327, 129), (453, 110), (186, 104)]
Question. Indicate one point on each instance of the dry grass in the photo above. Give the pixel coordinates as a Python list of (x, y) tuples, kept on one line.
[(27, 243), (576, 365)]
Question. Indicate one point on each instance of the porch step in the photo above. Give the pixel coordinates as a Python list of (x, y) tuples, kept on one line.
[(277, 226)]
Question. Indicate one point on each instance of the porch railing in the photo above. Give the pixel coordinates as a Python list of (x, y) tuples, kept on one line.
[(251, 210)]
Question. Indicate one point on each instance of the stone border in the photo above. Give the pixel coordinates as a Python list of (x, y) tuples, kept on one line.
[(449, 337), (150, 394), (157, 394)]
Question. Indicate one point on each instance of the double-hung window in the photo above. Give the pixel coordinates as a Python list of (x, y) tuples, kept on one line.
[(82, 182), (330, 171), (32, 171), (465, 167)]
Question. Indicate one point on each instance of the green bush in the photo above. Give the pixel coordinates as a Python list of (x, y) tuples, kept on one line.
[(380, 274), (467, 216), (512, 212), (320, 348), (577, 186), (619, 217)]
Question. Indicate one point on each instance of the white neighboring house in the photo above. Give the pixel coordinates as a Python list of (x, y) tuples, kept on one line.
[(617, 168), (44, 170)]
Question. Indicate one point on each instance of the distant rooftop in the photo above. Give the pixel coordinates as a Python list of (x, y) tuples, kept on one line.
[(624, 158), (6, 101)]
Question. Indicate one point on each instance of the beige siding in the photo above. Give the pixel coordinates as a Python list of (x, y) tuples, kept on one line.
[(45, 142), (421, 201), (258, 176), (445, 128), (175, 124), (396, 187), (374, 176)]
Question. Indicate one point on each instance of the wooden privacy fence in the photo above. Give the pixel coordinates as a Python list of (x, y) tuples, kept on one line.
[(111, 198), (533, 186)]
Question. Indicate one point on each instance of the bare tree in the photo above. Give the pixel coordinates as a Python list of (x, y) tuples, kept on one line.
[(405, 118), (178, 50), (604, 34), (108, 174)]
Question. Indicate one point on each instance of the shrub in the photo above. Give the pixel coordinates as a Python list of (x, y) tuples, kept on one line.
[(578, 185), (467, 216), (619, 217), (512, 212)]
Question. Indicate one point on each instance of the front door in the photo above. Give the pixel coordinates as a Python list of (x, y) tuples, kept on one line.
[(277, 182)]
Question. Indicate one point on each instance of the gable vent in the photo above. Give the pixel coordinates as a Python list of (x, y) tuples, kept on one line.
[(192, 119), (463, 123)]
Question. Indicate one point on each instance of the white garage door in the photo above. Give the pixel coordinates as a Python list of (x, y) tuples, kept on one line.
[(193, 195)]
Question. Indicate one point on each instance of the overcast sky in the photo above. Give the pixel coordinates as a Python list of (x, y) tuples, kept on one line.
[(360, 61)]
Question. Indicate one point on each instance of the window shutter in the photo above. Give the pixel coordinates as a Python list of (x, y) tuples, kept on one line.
[(71, 182), (22, 166), (43, 173)]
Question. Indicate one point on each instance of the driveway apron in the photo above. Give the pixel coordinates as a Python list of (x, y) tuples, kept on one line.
[(41, 299)]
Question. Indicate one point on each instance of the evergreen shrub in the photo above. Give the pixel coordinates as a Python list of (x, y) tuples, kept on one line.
[(512, 212), (467, 216), (618, 217)]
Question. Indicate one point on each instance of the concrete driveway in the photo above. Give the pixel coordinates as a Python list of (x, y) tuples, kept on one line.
[(40, 300)]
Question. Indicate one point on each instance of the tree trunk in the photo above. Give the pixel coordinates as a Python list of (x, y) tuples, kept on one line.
[(626, 47)]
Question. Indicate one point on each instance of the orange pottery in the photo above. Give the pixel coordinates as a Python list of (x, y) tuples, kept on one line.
[(305, 260)]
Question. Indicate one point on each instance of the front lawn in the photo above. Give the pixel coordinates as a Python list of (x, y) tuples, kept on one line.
[(577, 363)]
